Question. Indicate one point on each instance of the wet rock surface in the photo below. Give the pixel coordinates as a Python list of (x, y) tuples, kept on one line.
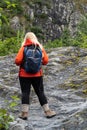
[(65, 84)]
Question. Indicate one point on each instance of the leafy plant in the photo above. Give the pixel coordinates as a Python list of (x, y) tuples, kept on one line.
[(80, 39), (10, 4), (5, 118), (8, 46), (13, 103), (54, 44), (11, 45), (82, 26), (66, 38)]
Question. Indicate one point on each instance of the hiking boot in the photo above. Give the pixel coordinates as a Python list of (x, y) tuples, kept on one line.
[(50, 113), (23, 115)]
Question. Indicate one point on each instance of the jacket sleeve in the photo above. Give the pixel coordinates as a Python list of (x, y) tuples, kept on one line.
[(45, 58), (19, 56)]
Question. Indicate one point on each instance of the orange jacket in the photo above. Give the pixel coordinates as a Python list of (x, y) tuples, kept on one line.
[(19, 59)]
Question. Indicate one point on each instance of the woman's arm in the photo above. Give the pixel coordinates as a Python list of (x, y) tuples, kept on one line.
[(19, 56), (45, 58)]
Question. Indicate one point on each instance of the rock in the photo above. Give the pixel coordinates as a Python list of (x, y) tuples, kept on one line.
[(15, 23), (65, 85), (49, 17), (19, 124)]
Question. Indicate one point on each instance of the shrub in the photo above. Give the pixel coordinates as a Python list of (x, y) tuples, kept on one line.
[(66, 38), (79, 40), (5, 118), (9, 46), (54, 44)]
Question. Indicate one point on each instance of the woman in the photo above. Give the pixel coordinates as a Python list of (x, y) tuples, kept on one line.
[(28, 79)]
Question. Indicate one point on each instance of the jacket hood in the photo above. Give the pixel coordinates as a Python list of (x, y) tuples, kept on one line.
[(27, 42)]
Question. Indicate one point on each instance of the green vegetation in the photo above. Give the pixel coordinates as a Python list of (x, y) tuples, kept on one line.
[(5, 116), (42, 2), (11, 45), (11, 105), (79, 5), (39, 2), (10, 40), (12, 8), (80, 38)]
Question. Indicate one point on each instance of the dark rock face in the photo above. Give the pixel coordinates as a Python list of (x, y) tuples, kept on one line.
[(49, 20), (65, 84)]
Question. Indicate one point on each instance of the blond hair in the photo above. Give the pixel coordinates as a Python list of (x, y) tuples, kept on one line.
[(32, 37)]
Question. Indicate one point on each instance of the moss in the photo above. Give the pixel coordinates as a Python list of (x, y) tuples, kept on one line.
[(42, 16), (43, 3), (85, 69), (85, 91), (79, 3), (69, 85), (72, 85)]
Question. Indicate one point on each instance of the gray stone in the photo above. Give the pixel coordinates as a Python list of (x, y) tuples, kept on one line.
[(51, 20), (15, 23), (19, 124), (65, 85)]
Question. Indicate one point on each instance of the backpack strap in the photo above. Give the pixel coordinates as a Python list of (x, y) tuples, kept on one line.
[(25, 49)]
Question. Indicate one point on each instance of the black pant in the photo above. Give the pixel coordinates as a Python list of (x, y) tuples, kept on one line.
[(37, 83)]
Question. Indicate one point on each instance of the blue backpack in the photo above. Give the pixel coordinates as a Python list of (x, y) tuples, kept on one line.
[(32, 59)]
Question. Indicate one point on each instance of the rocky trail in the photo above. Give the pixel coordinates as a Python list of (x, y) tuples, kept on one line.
[(65, 84)]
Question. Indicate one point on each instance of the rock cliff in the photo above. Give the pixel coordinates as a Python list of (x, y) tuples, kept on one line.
[(48, 18)]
